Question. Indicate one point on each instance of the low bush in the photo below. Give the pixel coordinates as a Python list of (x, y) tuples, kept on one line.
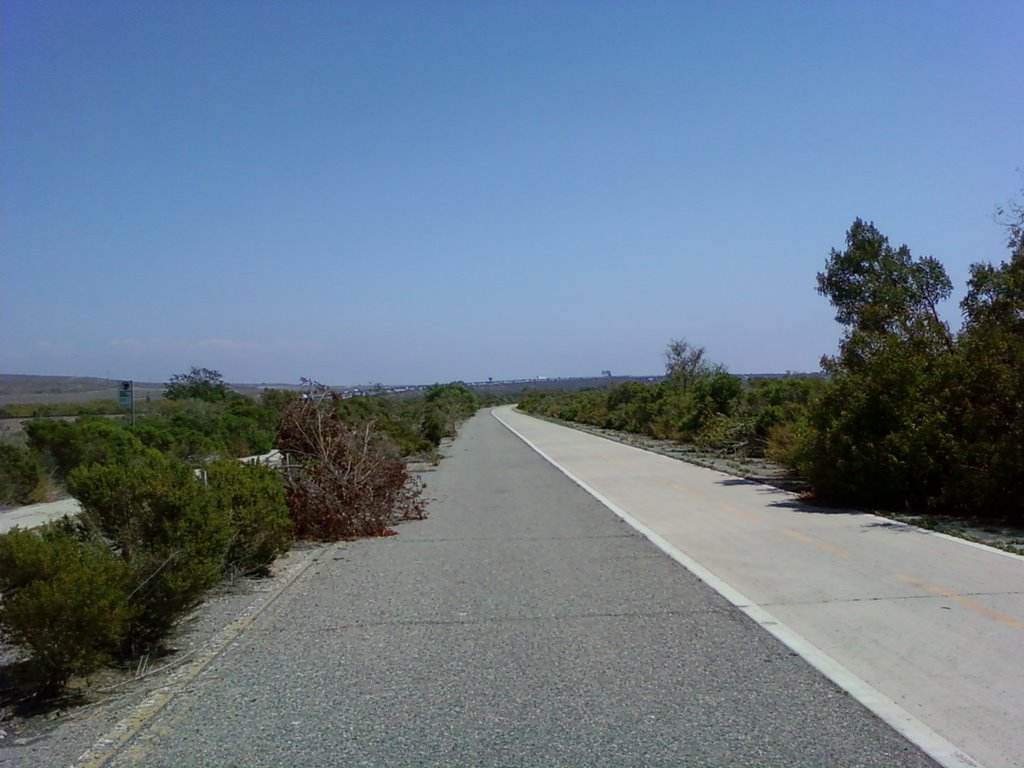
[(254, 500), (65, 600), (19, 475), (65, 445), (36, 410), (165, 526)]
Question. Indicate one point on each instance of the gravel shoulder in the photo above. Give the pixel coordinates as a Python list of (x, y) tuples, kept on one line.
[(98, 703)]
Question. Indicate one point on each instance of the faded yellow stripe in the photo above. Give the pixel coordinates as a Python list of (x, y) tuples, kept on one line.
[(741, 512), (822, 545), (684, 489)]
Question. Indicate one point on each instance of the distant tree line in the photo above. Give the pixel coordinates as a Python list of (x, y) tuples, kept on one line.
[(911, 415), (698, 402)]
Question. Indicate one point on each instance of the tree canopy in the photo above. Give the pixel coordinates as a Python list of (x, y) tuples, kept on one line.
[(198, 384)]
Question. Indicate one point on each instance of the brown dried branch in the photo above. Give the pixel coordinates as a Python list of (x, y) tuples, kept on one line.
[(349, 481)]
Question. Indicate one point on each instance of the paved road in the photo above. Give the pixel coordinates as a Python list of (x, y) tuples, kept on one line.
[(522, 624), (34, 515), (919, 624)]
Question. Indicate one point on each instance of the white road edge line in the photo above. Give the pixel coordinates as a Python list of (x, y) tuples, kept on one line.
[(928, 741)]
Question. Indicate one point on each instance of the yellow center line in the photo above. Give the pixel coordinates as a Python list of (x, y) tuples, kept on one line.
[(684, 489), (741, 512), (823, 545), (965, 602)]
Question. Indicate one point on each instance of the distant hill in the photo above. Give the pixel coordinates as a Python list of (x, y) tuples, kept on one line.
[(18, 389)]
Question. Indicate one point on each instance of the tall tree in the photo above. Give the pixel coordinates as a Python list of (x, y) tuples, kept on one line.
[(989, 402), (686, 364), (876, 436), (879, 291), (198, 384)]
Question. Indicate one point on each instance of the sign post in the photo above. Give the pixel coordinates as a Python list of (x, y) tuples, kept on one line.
[(126, 398)]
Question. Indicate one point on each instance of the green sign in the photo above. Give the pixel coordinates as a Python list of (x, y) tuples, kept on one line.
[(126, 395)]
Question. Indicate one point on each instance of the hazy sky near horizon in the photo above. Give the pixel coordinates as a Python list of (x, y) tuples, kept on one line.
[(408, 192)]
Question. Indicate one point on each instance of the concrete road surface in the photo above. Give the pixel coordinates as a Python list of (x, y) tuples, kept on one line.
[(521, 624), (34, 515), (926, 629)]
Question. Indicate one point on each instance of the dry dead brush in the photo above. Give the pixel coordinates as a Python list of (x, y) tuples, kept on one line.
[(342, 480)]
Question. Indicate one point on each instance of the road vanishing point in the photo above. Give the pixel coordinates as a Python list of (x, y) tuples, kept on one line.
[(572, 601)]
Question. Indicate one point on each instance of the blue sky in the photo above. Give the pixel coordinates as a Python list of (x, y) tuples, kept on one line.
[(407, 192)]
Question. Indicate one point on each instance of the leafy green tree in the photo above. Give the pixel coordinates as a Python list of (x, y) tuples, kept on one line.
[(987, 400), (881, 292), (877, 435), (198, 384), (686, 364)]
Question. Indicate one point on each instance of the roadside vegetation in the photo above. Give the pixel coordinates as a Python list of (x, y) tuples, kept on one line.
[(34, 410), (169, 511), (910, 415), (698, 403)]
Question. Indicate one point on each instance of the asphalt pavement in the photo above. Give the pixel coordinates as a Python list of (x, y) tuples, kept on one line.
[(521, 624), (925, 629)]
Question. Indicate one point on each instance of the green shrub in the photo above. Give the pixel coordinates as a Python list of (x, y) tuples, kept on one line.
[(254, 500), (781, 444), (167, 528), (722, 433), (433, 428), (34, 410), (65, 600), (87, 441), (19, 474)]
